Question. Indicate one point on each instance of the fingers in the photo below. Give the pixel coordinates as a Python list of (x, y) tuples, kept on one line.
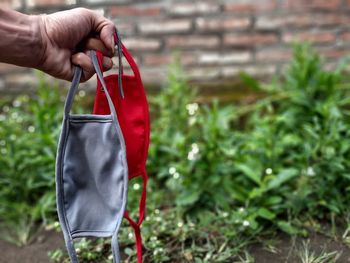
[(106, 30), (97, 44), (84, 61)]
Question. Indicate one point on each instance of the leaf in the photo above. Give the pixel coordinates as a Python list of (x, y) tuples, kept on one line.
[(249, 172), (284, 176), (250, 81), (287, 227), (264, 213), (187, 197)]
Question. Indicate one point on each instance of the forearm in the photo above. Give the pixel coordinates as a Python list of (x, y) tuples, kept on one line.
[(20, 39)]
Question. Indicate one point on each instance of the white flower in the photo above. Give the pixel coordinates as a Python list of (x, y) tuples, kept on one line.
[(268, 171), (246, 223), (156, 211), (31, 129), (154, 238), (194, 152), (136, 186), (5, 108), (225, 214), (172, 170), (180, 224), (190, 156), (195, 148), (13, 137), (241, 209), (176, 175), (192, 120), (82, 93), (16, 103), (2, 143), (130, 236), (310, 171), (192, 108), (14, 115)]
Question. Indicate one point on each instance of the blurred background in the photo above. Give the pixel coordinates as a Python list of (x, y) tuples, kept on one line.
[(250, 134)]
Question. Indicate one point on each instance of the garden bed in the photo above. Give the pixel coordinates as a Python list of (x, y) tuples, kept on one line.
[(282, 249)]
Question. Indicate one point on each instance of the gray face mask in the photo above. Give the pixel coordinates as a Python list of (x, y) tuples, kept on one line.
[(91, 173)]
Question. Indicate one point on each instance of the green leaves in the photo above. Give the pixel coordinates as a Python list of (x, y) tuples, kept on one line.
[(282, 177), (28, 137)]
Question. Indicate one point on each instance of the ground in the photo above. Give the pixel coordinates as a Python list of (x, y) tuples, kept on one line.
[(281, 249)]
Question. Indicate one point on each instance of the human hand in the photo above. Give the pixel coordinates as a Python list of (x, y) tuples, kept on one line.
[(68, 36)]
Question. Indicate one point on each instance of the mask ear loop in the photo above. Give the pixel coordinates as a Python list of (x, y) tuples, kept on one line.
[(118, 40), (115, 246)]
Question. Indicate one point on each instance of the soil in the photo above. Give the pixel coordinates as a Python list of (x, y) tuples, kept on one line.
[(36, 252), (286, 249), (283, 249)]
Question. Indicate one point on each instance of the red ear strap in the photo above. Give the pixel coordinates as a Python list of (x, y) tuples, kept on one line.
[(137, 226)]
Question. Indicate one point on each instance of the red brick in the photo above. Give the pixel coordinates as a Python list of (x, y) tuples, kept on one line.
[(312, 4), (275, 55), (138, 43), (193, 41), (154, 75), (135, 11), (333, 53), (345, 37), (313, 37), (194, 8), (257, 70), (203, 73), (10, 4), (225, 57), (125, 28), (251, 39), (165, 59), (35, 3), (249, 6), (299, 21), (218, 23), (168, 26)]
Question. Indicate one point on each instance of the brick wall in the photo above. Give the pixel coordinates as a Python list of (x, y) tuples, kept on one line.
[(216, 39)]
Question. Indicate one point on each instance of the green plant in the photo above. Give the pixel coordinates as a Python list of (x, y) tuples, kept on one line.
[(29, 128), (307, 256)]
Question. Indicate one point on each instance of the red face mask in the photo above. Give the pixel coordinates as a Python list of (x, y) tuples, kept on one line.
[(131, 106)]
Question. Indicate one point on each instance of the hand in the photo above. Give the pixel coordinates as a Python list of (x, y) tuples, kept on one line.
[(68, 36)]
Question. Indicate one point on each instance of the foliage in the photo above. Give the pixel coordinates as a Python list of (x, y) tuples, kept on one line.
[(28, 133), (29, 128), (237, 172), (221, 176)]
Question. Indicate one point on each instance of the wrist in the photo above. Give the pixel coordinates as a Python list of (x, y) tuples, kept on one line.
[(38, 44), (22, 43)]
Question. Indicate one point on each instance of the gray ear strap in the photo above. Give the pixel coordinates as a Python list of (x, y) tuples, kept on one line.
[(100, 77), (114, 244), (72, 90), (120, 55), (75, 83)]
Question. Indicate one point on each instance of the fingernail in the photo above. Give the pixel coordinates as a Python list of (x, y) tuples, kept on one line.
[(112, 44), (107, 63)]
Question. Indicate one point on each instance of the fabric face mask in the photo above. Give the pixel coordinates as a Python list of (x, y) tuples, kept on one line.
[(129, 98), (91, 173)]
